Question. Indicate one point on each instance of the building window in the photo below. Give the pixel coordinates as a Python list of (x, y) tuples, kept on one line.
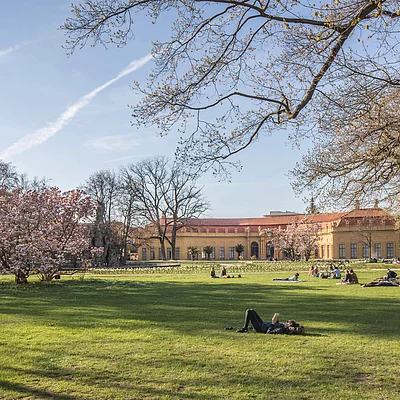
[(316, 251), (328, 251), (231, 253), (342, 251), (144, 253), (365, 251), (353, 250), (390, 250), (254, 249), (222, 253), (322, 251), (152, 253), (159, 253), (377, 250), (169, 253), (212, 255), (177, 253)]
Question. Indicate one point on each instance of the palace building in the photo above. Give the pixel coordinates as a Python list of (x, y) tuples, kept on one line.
[(360, 233)]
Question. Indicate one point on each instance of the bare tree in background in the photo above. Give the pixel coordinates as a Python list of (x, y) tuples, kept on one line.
[(149, 181), (234, 70), (11, 179), (366, 229), (127, 215), (103, 187), (165, 198)]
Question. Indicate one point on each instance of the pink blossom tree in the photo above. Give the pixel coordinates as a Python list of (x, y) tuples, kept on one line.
[(40, 232), (298, 239), (307, 237)]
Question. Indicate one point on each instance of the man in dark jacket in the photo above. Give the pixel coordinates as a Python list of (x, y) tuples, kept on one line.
[(273, 328), (391, 274)]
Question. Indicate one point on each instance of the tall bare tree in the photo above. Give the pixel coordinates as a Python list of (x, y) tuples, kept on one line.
[(103, 186), (149, 181), (127, 215), (234, 70), (165, 197)]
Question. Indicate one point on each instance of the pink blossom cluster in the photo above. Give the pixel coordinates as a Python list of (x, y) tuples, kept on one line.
[(42, 231), (299, 238)]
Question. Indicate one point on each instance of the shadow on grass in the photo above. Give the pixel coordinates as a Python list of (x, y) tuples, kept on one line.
[(31, 391), (197, 307)]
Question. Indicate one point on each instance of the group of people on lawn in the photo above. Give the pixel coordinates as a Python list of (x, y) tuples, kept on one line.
[(390, 279), (334, 273), (253, 319), (223, 273), (331, 272)]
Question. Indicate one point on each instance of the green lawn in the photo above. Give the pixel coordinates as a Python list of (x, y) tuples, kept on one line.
[(162, 337)]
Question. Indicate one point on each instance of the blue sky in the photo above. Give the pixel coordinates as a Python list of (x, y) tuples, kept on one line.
[(67, 117)]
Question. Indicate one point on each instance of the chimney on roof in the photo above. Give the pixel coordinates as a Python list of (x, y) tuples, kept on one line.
[(357, 204), (376, 203)]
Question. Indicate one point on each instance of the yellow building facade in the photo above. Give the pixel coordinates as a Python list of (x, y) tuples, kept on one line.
[(360, 233)]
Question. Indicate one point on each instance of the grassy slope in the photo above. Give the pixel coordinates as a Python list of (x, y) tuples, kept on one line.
[(163, 337)]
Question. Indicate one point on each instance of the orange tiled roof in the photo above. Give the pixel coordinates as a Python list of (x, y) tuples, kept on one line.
[(254, 223), (352, 217)]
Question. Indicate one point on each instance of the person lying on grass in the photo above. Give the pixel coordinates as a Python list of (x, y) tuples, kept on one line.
[(274, 327), (381, 283), (295, 277)]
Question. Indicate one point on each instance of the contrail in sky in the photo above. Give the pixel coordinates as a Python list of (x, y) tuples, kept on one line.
[(41, 135), (9, 50)]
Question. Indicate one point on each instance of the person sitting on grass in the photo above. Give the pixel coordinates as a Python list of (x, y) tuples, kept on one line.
[(212, 273), (350, 278), (353, 277), (274, 327), (295, 277), (224, 275), (335, 274), (390, 274)]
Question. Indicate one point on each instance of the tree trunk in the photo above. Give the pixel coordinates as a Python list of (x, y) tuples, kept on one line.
[(163, 252), (20, 277), (173, 243)]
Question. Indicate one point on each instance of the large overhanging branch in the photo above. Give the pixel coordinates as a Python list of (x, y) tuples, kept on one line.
[(233, 70)]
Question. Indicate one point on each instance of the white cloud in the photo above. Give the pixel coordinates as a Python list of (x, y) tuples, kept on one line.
[(6, 52), (41, 135), (12, 49), (9, 50), (131, 157), (116, 142)]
